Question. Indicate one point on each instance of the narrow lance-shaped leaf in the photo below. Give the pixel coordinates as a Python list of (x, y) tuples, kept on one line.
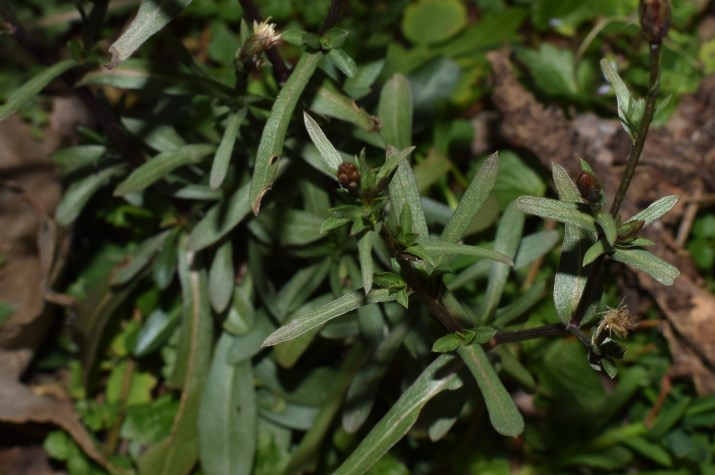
[(648, 263), (225, 148), (656, 209), (33, 87), (438, 248), (330, 102), (274, 132), (177, 454), (80, 192), (221, 278), (228, 415), (564, 211), (336, 308), (363, 389), (474, 198), (153, 15), (220, 219), (506, 243), (139, 259), (393, 157), (365, 257), (395, 111), (630, 108), (571, 275), (161, 165), (437, 377), (330, 156), (503, 413)]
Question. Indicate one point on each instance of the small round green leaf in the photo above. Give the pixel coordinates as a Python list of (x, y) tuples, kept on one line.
[(428, 22)]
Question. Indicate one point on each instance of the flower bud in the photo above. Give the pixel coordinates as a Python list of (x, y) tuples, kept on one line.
[(590, 189), (349, 176), (630, 230), (655, 19)]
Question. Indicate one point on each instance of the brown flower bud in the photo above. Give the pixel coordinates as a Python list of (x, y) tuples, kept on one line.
[(590, 189), (655, 18), (349, 176)]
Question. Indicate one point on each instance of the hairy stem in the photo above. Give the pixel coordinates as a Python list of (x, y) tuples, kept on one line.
[(597, 267)]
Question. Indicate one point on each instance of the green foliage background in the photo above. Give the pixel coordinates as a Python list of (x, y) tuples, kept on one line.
[(180, 284)]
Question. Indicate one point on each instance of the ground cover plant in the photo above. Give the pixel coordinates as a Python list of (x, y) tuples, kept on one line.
[(368, 237)]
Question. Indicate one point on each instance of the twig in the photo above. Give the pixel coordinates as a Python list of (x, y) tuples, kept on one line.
[(333, 15)]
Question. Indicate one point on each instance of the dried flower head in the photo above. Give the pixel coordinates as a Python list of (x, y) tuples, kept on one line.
[(617, 320), (349, 176), (264, 37)]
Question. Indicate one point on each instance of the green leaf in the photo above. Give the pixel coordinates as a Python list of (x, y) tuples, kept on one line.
[(437, 377), (435, 247), (72, 159), (447, 343), (630, 108), (656, 209), (503, 413), (648, 263), (33, 87), (365, 244), (219, 167), (287, 353), (270, 148), (534, 246), (177, 454), (164, 266), (336, 308), (330, 156), (518, 307), (360, 85), (516, 178), (506, 242), (608, 226), (155, 331), (139, 259), (393, 158), (331, 102), (161, 165), (290, 227), (427, 22), (81, 191), (404, 194), (553, 70), (220, 219), (395, 112), (598, 248), (567, 212), (221, 277), (571, 275), (364, 387), (474, 198), (343, 62), (153, 15), (227, 416)]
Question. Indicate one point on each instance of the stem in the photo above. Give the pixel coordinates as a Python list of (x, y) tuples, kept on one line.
[(634, 156), (595, 275), (429, 299), (333, 15), (554, 329)]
